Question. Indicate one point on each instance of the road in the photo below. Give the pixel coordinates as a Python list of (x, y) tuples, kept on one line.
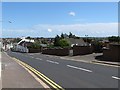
[(71, 74)]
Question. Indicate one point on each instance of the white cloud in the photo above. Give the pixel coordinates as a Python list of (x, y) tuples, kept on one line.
[(49, 30), (72, 13), (91, 29)]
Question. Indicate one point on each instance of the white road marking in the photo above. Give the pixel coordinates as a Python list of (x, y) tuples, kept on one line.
[(116, 77), (39, 58), (79, 68), (52, 62), (31, 54), (32, 57)]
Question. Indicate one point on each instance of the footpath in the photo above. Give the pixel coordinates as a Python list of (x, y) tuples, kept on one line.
[(15, 76), (90, 58)]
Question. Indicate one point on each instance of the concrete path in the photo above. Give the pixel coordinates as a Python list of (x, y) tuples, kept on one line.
[(15, 76), (89, 58)]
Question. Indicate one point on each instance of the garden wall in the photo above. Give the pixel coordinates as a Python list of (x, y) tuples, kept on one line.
[(113, 53), (32, 50), (58, 52), (81, 50)]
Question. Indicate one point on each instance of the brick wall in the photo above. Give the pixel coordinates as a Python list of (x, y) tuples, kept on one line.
[(58, 52), (32, 50), (113, 53), (82, 50)]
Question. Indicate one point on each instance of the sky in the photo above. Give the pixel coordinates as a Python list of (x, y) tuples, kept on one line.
[(47, 19)]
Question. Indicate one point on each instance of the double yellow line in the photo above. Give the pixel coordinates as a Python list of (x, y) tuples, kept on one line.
[(42, 76)]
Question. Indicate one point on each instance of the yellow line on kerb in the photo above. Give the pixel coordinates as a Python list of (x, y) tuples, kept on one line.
[(46, 79)]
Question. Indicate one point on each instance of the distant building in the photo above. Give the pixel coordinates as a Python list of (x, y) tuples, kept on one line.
[(22, 45), (77, 42), (105, 43)]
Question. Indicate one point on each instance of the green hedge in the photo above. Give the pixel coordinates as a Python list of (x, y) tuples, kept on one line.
[(34, 45)]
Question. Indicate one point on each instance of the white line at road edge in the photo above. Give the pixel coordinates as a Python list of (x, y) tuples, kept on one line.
[(31, 54), (38, 58), (32, 57), (52, 61), (79, 68), (116, 77)]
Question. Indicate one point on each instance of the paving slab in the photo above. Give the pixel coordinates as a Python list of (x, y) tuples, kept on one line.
[(15, 76)]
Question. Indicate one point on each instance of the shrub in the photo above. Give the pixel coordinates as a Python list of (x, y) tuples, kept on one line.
[(34, 45), (63, 43)]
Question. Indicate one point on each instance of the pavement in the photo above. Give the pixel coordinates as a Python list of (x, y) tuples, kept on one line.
[(15, 76), (69, 73), (0, 73), (90, 58), (84, 58)]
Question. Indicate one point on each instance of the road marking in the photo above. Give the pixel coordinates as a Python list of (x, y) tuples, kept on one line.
[(90, 62), (79, 68), (116, 77), (52, 62), (38, 58), (42, 76), (98, 63), (31, 54), (36, 78), (32, 57)]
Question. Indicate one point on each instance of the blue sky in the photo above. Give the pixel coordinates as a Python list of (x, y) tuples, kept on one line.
[(48, 19)]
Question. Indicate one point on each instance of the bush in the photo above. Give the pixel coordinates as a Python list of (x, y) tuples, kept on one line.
[(97, 46), (63, 43), (34, 45)]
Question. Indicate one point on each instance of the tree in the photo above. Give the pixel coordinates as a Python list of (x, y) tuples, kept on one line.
[(97, 46), (88, 40), (16, 40), (28, 37), (44, 42), (63, 43), (62, 35), (34, 45), (70, 35), (114, 39), (73, 36), (56, 40)]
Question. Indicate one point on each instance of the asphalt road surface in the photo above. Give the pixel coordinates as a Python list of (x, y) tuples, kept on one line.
[(71, 74)]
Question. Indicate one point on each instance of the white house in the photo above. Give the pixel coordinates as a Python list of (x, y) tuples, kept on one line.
[(21, 46)]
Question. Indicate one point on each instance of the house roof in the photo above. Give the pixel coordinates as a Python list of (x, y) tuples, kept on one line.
[(76, 41), (25, 40)]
